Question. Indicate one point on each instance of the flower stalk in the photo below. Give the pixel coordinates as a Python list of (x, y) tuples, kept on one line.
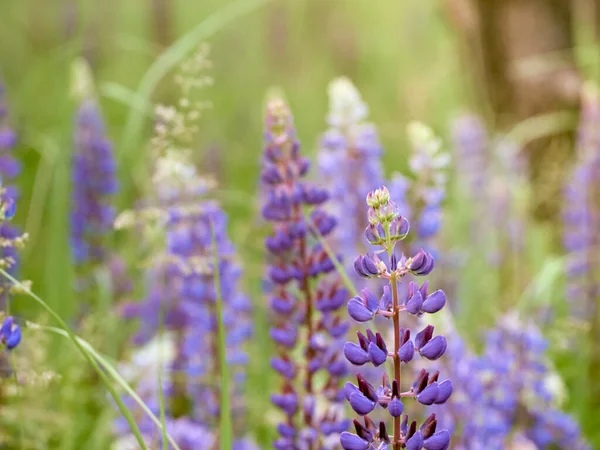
[(386, 228)]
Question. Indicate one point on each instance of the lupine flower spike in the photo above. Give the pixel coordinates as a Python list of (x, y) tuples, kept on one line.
[(10, 239), (182, 297), (386, 228), (520, 390), (493, 178), (582, 214), (94, 181), (305, 295), (581, 237), (10, 236)]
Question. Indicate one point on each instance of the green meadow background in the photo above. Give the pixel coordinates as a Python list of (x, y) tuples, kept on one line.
[(402, 55)]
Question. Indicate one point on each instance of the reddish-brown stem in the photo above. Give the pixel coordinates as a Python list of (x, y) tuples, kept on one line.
[(308, 318), (396, 310)]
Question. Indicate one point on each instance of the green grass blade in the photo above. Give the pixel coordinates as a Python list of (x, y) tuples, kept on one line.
[(177, 53), (124, 95), (108, 367), (334, 259), (225, 417), (124, 410)]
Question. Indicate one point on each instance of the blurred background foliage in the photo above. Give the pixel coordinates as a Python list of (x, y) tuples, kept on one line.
[(518, 63)]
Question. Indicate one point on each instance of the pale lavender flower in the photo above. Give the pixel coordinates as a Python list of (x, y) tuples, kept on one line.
[(581, 214), (349, 163)]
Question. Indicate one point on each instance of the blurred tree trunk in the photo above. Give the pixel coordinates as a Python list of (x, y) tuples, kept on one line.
[(162, 22), (519, 54)]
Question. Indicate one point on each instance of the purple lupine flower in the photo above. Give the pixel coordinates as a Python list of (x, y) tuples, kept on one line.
[(473, 424), (9, 169), (305, 292), (94, 182), (472, 155), (581, 214), (427, 388), (182, 291), (509, 390), (10, 333), (349, 162), (182, 296), (520, 391), (492, 174), (182, 299), (8, 137)]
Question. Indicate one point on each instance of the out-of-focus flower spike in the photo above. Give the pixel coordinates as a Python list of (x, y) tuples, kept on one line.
[(349, 162), (293, 265)]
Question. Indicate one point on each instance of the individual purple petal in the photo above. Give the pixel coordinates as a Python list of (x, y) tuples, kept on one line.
[(285, 337), (414, 304), (285, 367), (434, 349), (287, 402), (281, 305), (406, 352), (15, 337), (349, 389), (374, 233), (279, 275), (361, 404), (445, 390), (400, 228), (351, 441), (434, 302), (421, 264), (358, 310), (370, 300), (428, 395), (424, 336), (439, 441), (286, 430), (355, 354), (377, 355), (386, 299), (359, 269), (415, 442)]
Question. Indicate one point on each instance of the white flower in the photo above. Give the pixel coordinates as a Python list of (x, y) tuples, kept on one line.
[(346, 105)]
